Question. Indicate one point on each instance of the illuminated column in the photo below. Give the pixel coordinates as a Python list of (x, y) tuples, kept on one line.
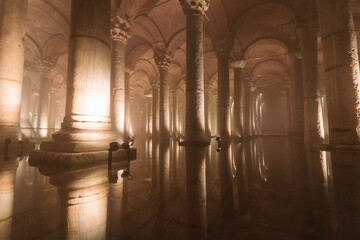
[(223, 49), (297, 94), (127, 105), (25, 103), (120, 33), (12, 32), (87, 123), (150, 114), (341, 64), (163, 61), (155, 108), (195, 122), (246, 102), (308, 32), (175, 112), (196, 191), (238, 69), (42, 124), (207, 111)]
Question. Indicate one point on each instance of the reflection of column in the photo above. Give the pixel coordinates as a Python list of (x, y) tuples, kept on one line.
[(7, 184), (42, 124), (223, 49), (12, 32), (195, 122), (297, 95), (163, 62), (115, 210), (341, 64), (155, 163), (196, 191), (238, 68), (207, 111), (246, 108), (87, 116), (155, 108), (84, 201), (120, 33), (175, 112), (164, 172), (127, 132), (308, 32)]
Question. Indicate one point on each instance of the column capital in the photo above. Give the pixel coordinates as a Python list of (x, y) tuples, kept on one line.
[(120, 29), (238, 64), (247, 82), (207, 88), (309, 22), (223, 46), (195, 5), (45, 66), (155, 83), (295, 55), (162, 59)]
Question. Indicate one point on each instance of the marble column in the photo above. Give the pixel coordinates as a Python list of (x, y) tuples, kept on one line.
[(223, 49), (127, 132), (25, 103), (341, 64), (120, 33), (207, 111), (42, 124), (149, 116), (298, 94), (246, 102), (195, 122), (163, 61), (12, 32), (175, 113), (308, 32), (155, 108), (87, 123), (238, 69), (53, 109)]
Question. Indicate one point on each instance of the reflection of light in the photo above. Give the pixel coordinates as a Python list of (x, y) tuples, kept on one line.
[(131, 130), (320, 120), (324, 167)]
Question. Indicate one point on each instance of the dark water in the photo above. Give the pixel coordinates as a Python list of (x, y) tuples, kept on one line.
[(269, 188)]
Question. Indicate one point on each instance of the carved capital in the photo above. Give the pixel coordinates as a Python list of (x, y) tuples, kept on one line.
[(223, 47), (309, 22), (45, 66), (195, 5), (162, 59), (207, 88), (120, 29), (247, 82), (155, 83), (238, 64)]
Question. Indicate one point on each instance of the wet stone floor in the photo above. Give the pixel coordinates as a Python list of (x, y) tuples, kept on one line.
[(268, 188)]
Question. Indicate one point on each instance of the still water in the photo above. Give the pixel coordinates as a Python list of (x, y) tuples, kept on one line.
[(268, 188)]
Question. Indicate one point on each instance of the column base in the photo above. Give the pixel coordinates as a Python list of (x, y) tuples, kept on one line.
[(62, 161), (194, 143), (74, 146), (337, 147)]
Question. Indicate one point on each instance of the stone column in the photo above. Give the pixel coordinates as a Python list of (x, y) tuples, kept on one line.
[(120, 33), (223, 49), (155, 108), (87, 123), (207, 111), (246, 108), (238, 68), (12, 32), (42, 124), (175, 112), (163, 61), (127, 106), (308, 33), (150, 115), (298, 94), (341, 64), (25, 103), (195, 122), (53, 109)]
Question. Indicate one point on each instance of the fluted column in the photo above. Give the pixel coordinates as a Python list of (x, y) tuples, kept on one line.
[(120, 33), (163, 61), (207, 111), (195, 122), (246, 101), (297, 94), (223, 49), (341, 64), (87, 123), (127, 132), (238, 69), (155, 108), (175, 112), (42, 124), (12, 32), (308, 33)]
